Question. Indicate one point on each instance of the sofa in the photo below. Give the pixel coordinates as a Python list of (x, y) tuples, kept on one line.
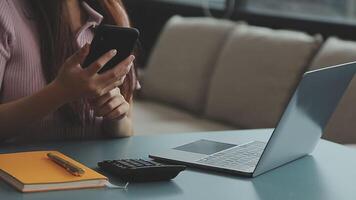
[(208, 74)]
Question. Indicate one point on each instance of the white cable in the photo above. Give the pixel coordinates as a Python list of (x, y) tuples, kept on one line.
[(112, 186)]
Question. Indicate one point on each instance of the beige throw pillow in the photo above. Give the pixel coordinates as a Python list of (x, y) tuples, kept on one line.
[(341, 127), (333, 52), (182, 61), (257, 73)]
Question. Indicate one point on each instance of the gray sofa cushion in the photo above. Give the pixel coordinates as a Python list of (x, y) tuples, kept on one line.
[(182, 60), (342, 126), (256, 73), (153, 118)]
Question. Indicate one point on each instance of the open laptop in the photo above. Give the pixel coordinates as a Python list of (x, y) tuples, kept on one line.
[(296, 135)]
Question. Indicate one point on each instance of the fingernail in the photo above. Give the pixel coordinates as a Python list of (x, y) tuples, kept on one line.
[(113, 52), (132, 57)]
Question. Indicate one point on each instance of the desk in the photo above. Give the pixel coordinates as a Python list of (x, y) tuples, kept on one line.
[(330, 173)]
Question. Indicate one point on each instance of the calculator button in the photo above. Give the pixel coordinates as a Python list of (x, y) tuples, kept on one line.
[(146, 163), (141, 170)]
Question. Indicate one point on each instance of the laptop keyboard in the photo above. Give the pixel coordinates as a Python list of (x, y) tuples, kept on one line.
[(242, 158)]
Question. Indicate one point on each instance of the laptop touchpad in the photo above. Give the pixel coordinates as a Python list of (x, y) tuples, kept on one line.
[(205, 147)]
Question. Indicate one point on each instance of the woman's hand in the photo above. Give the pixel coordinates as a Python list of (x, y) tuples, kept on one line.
[(76, 82), (111, 106)]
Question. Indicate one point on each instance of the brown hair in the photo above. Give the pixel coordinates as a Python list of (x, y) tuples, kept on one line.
[(57, 40)]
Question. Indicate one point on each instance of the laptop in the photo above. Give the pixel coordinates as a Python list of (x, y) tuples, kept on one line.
[(296, 135)]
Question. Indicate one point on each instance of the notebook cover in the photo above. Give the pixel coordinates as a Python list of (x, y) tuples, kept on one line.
[(36, 168)]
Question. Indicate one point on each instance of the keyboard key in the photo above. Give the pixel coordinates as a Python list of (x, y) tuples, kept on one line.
[(239, 158)]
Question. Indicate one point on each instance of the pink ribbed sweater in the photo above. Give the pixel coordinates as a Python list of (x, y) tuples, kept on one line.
[(21, 71)]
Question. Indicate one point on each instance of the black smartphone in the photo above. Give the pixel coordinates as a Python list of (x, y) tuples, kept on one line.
[(108, 37)]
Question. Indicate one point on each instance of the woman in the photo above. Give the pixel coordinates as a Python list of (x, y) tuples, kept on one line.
[(45, 93)]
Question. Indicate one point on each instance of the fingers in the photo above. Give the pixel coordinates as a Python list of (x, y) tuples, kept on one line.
[(101, 84), (97, 93), (79, 56), (111, 87), (119, 71), (108, 96), (109, 106), (119, 112), (95, 67)]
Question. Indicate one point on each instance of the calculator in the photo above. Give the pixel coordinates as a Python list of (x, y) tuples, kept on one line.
[(140, 170)]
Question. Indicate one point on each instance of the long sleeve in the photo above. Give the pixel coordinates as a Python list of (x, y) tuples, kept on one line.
[(4, 54), (5, 38)]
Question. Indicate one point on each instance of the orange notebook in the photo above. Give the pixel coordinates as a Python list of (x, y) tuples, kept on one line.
[(35, 172)]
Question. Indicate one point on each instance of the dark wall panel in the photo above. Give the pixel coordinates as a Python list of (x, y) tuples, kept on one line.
[(151, 15)]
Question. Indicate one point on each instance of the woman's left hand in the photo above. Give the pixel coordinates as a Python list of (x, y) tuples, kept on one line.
[(111, 106)]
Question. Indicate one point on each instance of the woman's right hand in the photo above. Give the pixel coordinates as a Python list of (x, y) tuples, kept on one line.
[(76, 82)]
